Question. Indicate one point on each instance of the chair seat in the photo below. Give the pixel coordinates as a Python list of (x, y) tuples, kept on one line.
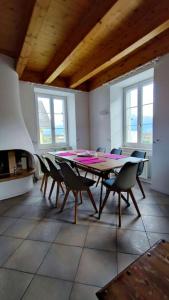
[(86, 182), (109, 182)]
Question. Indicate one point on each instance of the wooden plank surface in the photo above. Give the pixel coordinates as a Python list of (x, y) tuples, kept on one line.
[(109, 164), (147, 278)]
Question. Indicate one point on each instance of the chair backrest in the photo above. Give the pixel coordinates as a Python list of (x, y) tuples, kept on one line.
[(116, 151), (42, 164), (139, 154), (70, 178), (126, 178), (101, 149), (54, 172)]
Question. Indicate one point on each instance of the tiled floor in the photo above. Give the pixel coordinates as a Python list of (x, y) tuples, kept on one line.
[(44, 256)]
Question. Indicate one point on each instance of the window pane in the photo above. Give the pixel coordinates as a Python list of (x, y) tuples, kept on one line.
[(147, 124), (44, 105), (148, 93), (45, 133), (131, 134), (131, 117), (60, 136), (58, 106), (131, 98)]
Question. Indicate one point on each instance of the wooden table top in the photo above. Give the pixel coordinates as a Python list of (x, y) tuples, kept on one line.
[(147, 278), (109, 164)]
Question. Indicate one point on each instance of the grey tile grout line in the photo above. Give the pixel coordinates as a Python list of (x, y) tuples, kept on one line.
[(78, 264)]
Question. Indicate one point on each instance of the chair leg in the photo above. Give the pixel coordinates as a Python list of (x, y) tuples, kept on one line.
[(140, 186), (75, 207), (85, 174), (64, 201), (126, 200), (105, 200), (119, 208), (97, 181), (51, 190), (46, 182), (62, 188), (92, 200), (43, 179), (57, 193), (134, 202), (80, 197)]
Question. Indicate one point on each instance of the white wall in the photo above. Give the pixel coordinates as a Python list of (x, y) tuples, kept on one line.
[(160, 162), (116, 113), (13, 132), (78, 116), (99, 111), (82, 120)]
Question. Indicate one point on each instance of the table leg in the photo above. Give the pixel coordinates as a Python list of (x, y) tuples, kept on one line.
[(100, 203)]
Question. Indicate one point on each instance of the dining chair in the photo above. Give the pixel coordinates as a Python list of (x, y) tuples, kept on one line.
[(139, 154), (76, 184), (57, 177), (99, 149), (123, 182), (116, 151), (45, 172)]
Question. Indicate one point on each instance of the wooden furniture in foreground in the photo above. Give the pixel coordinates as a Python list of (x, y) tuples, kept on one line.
[(147, 278)]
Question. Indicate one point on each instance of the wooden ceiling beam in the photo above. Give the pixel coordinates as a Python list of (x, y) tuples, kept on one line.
[(81, 77), (38, 14), (63, 58), (38, 77), (157, 47)]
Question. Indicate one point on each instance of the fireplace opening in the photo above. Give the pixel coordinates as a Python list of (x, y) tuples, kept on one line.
[(15, 163)]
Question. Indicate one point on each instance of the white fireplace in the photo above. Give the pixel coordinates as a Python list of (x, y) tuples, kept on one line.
[(16, 148)]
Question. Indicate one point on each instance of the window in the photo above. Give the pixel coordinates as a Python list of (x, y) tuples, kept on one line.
[(52, 125), (138, 114)]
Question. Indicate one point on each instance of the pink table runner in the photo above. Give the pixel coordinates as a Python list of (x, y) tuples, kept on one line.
[(66, 153), (89, 160), (114, 156)]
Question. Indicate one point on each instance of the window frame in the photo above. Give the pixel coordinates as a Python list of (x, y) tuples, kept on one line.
[(65, 115), (139, 86)]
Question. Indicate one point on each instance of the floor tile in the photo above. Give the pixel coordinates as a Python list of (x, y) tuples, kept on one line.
[(83, 292), (45, 231), (13, 284), (43, 288), (156, 224), (124, 260), (3, 208), (5, 223), (67, 216), (20, 229), (7, 248), (96, 267), (72, 234), (101, 238), (109, 220), (132, 222), (154, 210), (61, 262), (28, 256), (132, 241), (155, 237), (35, 212), (16, 211)]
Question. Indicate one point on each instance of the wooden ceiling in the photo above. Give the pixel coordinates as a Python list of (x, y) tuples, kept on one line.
[(82, 44)]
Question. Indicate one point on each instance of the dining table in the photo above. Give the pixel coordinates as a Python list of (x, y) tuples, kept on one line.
[(97, 163)]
